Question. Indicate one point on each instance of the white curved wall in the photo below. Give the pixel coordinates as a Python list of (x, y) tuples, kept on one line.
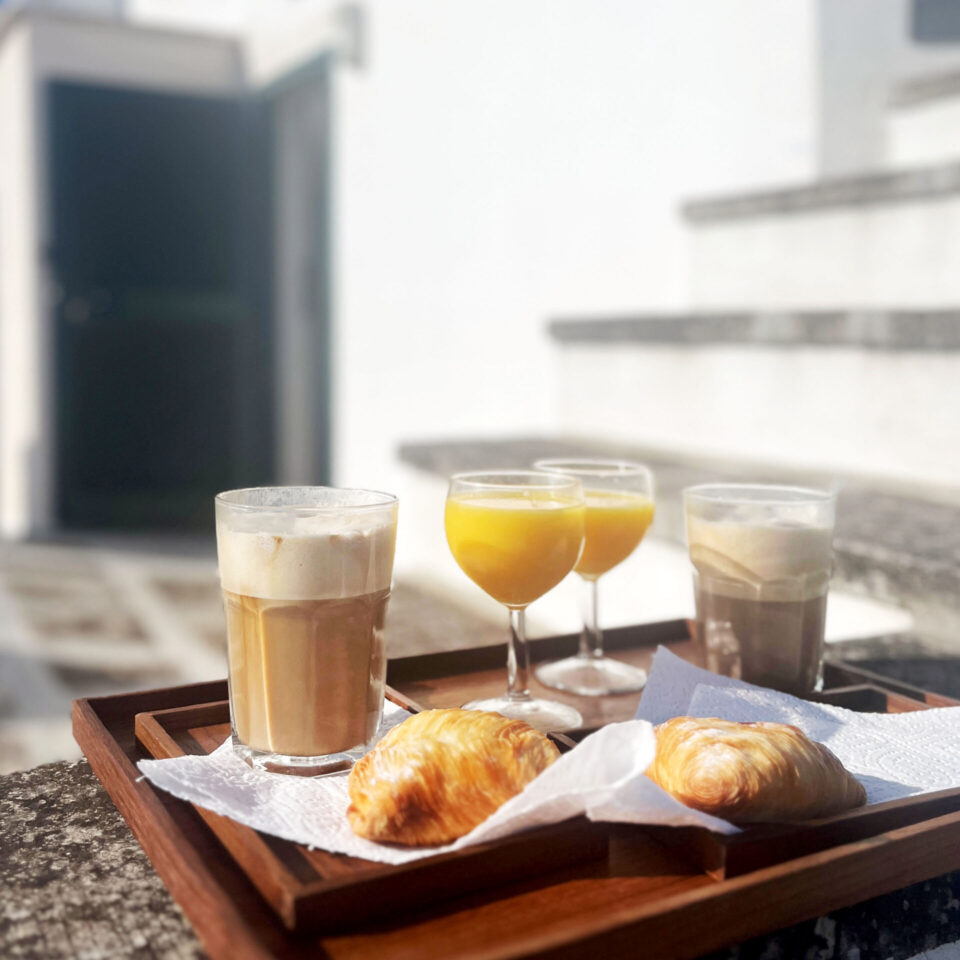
[(501, 163)]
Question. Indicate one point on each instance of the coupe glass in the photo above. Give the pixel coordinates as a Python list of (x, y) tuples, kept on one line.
[(619, 499), (517, 534)]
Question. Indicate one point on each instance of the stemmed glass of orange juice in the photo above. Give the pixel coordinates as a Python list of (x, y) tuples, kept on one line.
[(517, 534), (619, 499)]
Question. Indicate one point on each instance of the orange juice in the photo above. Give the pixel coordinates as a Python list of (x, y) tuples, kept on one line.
[(615, 524), (515, 544)]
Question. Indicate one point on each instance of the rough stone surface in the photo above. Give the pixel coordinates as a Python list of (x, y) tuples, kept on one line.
[(447, 626), (893, 545), (74, 882), (896, 926), (922, 183), (861, 329)]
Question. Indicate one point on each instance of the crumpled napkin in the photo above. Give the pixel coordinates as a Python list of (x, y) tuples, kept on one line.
[(892, 755), (602, 778)]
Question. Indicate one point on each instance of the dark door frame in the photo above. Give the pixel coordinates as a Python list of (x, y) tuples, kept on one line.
[(253, 286)]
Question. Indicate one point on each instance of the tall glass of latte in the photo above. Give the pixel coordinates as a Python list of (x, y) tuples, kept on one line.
[(762, 560), (305, 573)]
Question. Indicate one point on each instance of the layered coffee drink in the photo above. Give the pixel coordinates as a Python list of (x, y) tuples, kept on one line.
[(762, 572), (305, 589)]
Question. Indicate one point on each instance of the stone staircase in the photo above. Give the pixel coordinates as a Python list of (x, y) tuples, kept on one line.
[(923, 121), (822, 346), (881, 238), (863, 393)]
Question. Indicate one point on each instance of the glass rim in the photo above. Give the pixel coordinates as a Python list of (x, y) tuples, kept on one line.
[(779, 494), (553, 481), (593, 466), (226, 497)]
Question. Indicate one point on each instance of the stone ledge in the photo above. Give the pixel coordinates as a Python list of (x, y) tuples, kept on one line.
[(74, 882), (920, 90), (889, 544), (924, 183), (861, 329)]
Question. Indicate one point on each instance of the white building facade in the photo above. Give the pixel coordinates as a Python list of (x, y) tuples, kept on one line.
[(453, 176)]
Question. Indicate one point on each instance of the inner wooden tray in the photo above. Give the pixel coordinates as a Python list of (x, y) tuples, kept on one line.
[(458, 676), (313, 889), (665, 888)]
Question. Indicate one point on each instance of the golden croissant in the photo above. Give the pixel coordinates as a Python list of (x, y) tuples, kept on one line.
[(751, 772), (438, 774)]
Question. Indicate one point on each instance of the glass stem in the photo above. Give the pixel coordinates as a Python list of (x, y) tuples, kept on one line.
[(518, 657), (591, 640)]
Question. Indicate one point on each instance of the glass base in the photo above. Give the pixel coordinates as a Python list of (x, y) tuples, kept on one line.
[(298, 766), (591, 676), (547, 716)]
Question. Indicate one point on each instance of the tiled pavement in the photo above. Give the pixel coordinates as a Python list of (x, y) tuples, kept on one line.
[(86, 619), (80, 620)]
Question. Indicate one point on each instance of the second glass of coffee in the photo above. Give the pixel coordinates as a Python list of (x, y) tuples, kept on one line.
[(762, 559), (305, 573)]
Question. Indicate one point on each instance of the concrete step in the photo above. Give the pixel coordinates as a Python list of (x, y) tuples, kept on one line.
[(896, 550), (858, 393), (867, 241), (922, 124)]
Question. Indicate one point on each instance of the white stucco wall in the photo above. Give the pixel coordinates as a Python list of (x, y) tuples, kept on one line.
[(501, 163), (883, 255), (923, 133), (24, 496), (865, 49), (859, 412)]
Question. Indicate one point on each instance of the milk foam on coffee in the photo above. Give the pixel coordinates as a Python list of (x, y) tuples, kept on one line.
[(761, 593), (308, 558), (759, 555)]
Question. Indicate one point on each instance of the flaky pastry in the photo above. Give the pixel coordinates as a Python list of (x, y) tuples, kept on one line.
[(751, 772), (438, 774)]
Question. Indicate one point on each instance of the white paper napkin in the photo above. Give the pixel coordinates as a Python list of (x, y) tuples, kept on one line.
[(671, 684), (603, 778), (892, 755)]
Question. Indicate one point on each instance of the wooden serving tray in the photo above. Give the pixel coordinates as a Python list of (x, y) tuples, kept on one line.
[(679, 892), (314, 889)]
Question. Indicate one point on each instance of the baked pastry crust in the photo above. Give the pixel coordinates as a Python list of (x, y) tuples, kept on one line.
[(751, 772), (438, 774)]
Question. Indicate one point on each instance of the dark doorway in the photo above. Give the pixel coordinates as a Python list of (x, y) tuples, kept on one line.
[(161, 252)]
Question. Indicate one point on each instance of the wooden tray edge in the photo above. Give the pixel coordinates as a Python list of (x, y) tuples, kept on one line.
[(277, 885), (861, 675), (298, 904), (692, 923)]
